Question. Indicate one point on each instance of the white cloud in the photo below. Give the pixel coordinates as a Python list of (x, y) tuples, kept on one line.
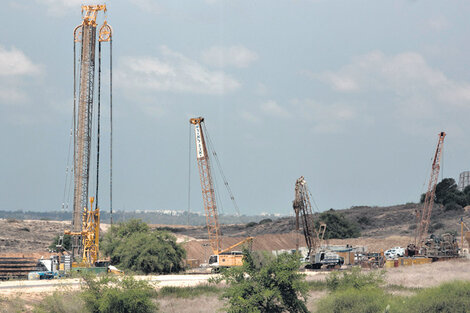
[(61, 7), (236, 56), (149, 6), (14, 62), (250, 117), (405, 75), (15, 66), (438, 23), (326, 118), (172, 71), (272, 108)]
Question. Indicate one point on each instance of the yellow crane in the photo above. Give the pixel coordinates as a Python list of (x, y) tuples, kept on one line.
[(221, 257)]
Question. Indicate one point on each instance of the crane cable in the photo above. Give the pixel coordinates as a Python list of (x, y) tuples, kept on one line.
[(227, 186), (98, 125), (189, 171), (111, 128)]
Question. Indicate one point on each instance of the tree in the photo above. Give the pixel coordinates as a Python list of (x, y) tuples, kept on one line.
[(270, 285), (66, 244), (132, 245), (338, 226)]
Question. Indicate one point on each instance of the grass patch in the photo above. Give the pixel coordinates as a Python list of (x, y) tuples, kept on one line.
[(61, 302), (8, 305), (317, 285), (189, 292), (352, 300)]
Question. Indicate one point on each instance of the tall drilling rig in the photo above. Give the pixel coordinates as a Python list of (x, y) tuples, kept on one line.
[(84, 71)]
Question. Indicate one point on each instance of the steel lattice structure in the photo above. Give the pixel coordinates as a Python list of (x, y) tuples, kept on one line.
[(303, 211), (424, 217), (207, 185)]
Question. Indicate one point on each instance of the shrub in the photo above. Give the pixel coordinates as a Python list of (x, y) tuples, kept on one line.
[(109, 294), (338, 226), (133, 246), (264, 221), (354, 279), (251, 224), (369, 300), (274, 287), (446, 298), (452, 206), (67, 243)]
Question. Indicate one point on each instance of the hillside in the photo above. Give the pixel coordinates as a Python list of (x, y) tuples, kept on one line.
[(381, 227)]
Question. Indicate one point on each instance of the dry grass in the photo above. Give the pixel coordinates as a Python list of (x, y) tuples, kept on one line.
[(203, 304), (429, 275)]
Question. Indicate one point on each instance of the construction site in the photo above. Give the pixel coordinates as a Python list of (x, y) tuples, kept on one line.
[(420, 245)]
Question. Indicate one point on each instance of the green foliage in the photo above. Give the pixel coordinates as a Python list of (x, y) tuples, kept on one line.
[(132, 245), (276, 286), (61, 302), (448, 195), (446, 298), (369, 300), (264, 221), (189, 292), (251, 224), (452, 206), (338, 226), (354, 279), (110, 294), (67, 244)]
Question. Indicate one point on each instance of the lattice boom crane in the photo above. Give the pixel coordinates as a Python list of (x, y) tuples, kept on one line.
[(424, 217), (221, 257)]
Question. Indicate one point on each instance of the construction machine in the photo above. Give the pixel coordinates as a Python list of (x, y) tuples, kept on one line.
[(83, 130), (317, 256), (432, 246), (221, 257)]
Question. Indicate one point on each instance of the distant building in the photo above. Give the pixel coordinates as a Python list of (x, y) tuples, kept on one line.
[(464, 180)]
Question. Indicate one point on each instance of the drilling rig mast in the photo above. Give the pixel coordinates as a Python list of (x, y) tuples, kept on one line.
[(210, 206), (85, 35)]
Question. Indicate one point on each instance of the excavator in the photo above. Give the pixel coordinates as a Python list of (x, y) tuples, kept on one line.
[(317, 256), (221, 257)]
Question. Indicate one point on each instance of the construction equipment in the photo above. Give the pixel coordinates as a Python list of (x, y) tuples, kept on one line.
[(221, 257), (90, 236), (317, 256), (424, 217), (85, 34)]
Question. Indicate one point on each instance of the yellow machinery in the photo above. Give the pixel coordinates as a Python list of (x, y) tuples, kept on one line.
[(85, 38), (221, 257), (90, 236)]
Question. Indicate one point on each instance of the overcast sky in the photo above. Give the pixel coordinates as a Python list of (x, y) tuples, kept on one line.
[(349, 94)]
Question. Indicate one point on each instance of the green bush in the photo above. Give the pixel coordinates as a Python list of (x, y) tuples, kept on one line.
[(274, 287), (109, 294), (338, 226), (355, 279), (133, 246), (447, 298), (67, 243), (368, 300)]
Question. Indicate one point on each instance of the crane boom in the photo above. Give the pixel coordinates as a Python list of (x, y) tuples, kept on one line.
[(207, 186), (303, 211), (424, 217)]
